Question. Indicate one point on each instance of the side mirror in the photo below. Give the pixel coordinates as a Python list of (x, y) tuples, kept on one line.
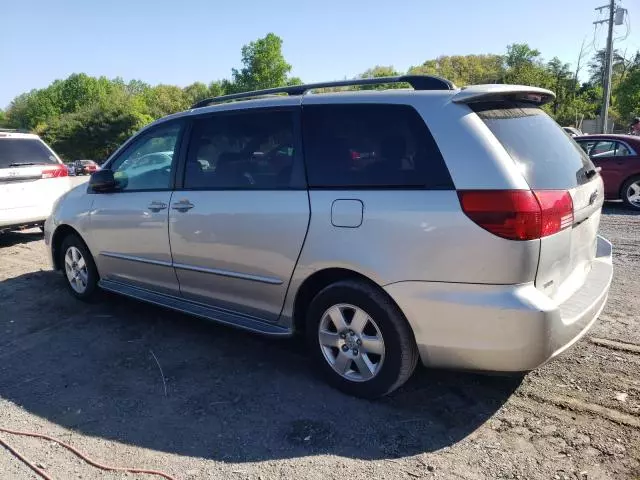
[(103, 181)]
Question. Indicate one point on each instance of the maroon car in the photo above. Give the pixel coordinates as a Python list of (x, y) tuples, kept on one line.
[(619, 157)]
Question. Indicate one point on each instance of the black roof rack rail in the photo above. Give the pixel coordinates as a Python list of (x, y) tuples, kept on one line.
[(418, 82), (14, 130)]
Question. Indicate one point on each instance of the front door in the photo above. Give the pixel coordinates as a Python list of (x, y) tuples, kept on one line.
[(613, 157), (129, 227), (238, 224)]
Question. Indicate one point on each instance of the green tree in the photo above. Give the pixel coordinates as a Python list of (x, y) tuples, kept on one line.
[(378, 72), (195, 92), (562, 79), (94, 132), (628, 95), (163, 100), (3, 118), (264, 65), (464, 69)]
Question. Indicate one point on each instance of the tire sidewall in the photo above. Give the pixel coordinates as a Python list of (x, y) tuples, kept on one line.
[(389, 373), (92, 272)]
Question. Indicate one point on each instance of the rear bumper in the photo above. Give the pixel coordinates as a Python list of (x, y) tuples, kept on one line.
[(23, 216), (505, 328)]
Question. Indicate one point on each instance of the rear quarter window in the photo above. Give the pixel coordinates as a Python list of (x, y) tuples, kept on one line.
[(547, 157), (371, 146)]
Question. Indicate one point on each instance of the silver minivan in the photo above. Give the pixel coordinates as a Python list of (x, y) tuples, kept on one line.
[(457, 227)]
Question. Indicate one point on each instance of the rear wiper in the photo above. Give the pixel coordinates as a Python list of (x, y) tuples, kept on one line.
[(23, 164)]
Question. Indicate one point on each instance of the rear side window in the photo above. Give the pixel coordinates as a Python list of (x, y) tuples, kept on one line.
[(371, 146), (15, 152), (547, 157)]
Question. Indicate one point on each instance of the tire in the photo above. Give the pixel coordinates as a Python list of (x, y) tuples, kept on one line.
[(370, 368), (631, 201), (84, 288)]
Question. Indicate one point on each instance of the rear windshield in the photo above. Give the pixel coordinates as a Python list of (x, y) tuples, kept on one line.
[(15, 152), (548, 158)]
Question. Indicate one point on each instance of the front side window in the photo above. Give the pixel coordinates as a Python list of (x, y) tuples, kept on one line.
[(146, 163), (371, 146), (609, 148), (245, 150)]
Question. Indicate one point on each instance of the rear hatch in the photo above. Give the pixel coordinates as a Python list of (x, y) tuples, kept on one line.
[(552, 163), (25, 161)]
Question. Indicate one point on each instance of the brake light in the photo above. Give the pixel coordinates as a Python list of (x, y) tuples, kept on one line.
[(519, 214), (55, 171)]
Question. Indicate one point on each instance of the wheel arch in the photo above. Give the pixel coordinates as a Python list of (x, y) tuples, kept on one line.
[(319, 280), (60, 233), (624, 182)]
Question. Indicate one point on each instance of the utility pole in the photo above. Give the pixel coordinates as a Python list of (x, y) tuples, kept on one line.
[(604, 114)]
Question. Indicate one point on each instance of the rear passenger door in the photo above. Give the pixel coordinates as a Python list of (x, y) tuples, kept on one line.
[(238, 220), (377, 184)]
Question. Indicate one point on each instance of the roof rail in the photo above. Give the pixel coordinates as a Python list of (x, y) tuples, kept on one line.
[(418, 82), (14, 130)]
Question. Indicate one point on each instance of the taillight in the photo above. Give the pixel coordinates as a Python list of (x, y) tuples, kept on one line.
[(519, 214), (55, 171)]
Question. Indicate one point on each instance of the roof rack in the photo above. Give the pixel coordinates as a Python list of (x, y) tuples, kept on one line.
[(14, 130), (418, 82)]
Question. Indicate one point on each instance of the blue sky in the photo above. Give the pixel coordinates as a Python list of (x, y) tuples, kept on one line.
[(179, 42)]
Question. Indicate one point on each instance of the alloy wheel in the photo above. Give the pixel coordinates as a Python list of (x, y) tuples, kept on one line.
[(351, 342)]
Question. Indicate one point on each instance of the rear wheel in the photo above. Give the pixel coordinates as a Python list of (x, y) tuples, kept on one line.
[(359, 339), (631, 192), (79, 268)]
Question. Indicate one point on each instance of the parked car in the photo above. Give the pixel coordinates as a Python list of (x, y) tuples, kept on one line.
[(573, 131), (32, 178), (86, 167), (469, 240), (619, 158)]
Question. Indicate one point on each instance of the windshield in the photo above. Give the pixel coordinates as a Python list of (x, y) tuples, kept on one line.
[(24, 151), (548, 158)]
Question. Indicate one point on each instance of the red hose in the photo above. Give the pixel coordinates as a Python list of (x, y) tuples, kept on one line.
[(79, 454)]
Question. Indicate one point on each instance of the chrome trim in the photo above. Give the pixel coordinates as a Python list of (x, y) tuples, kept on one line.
[(136, 259), (228, 273), (193, 268)]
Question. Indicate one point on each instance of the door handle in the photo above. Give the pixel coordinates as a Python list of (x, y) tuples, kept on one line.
[(182, 205), (157, 206)]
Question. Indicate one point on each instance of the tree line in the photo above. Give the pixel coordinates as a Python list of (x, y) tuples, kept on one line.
[(88, 117)]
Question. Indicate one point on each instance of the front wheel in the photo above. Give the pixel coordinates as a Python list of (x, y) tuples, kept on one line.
[(79, 268), (359, 339), (631, 192)]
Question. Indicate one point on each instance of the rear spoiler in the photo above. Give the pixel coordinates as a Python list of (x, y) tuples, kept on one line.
[(492, 92)]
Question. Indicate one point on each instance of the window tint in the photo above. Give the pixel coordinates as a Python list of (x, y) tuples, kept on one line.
[(146, 163), (247, 150), (622, 150), (17, 151), (547, 157), (586, 145), (371, 146), (605, 148)]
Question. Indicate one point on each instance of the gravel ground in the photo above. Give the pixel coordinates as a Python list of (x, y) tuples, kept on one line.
[(237, 406)]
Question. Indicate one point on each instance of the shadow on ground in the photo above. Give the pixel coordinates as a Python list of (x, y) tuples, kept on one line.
[(229, 395), (618, 208), (10, 239)]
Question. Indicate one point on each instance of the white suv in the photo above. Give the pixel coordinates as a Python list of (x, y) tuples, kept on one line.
[(32, 178)]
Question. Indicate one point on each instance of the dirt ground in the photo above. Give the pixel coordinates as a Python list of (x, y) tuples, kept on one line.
[(238, 406)]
